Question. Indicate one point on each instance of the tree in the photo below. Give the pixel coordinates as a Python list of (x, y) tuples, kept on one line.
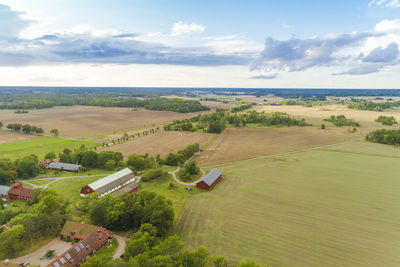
[(322, 126), (192, 168), (110, 165), (1, 124), (54, 132), (89, 159), (50, 155), (27, 167)]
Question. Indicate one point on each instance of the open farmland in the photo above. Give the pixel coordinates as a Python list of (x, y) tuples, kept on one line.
[(316, 115), (88, 120), (40, 147), (162, 143), (8, 136), (235, 144), (314, 208)]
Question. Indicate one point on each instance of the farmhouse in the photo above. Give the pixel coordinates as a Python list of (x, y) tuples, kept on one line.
[(76, 230), (110, 183), (4, 191), (82, 250), (209, 180), (17, 192), (65, 167)]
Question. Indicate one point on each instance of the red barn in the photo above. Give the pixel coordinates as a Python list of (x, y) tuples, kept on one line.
[(17, 192), (210, 180)]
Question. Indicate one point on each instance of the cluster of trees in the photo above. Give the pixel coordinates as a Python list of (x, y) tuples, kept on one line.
[(217, 121), (43, 218), (130, 211), (242, 105), (21, 111), (145, 248), (189, 171), (175, 159), (26, 128), (383, 136), (23, 168), (341, 120), (368, 105), (386, 120), (153, 103), (153, 174)]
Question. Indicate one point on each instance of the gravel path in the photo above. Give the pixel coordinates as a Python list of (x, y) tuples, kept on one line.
[(121, 247)]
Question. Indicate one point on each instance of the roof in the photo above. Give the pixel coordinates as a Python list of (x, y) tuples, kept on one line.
[(81, 230), (79, 251), (211, 177), (110, 178), (64, 166), (126, 189), (4, 189), (21, 191)]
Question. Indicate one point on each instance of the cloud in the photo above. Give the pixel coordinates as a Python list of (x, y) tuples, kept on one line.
[(181, 29), (266, 77), (385, 3), (362, 70), (382, 55), (11, 23)]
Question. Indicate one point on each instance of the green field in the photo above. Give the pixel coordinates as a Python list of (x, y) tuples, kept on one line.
[(70, 188), (41, 182), (313, 208), (40, 147)]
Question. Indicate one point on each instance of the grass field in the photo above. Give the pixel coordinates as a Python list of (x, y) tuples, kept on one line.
[(40, 147), (70, 188), (314, 208), (41, 182), (235, 144)]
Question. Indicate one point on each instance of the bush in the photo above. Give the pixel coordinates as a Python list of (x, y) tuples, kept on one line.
[(341, 120), (386, 120), (152, 174)]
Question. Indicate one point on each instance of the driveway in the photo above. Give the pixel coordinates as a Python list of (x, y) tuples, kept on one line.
[(121, 246), (34, 258)]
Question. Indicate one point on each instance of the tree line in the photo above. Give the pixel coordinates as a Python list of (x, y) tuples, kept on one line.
[(383, 136), (153, 103), (373, 106), (25, 128), (22, 168), (386, 120), (217, 121)]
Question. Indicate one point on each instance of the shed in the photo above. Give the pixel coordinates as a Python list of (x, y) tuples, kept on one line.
[(69, 167), (209, 180), (17, 192), (4, 190), (110, 183)]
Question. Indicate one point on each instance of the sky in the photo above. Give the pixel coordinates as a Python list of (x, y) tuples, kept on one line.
[(208, 43)]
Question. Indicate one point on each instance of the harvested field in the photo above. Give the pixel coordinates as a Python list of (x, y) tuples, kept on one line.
[(242, 143), (162, 143), (314, 208), (316, 115), (114, 136), (9, 137), (214, 105), (87, 120)]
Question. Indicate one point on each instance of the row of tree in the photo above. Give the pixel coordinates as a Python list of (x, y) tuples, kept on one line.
[(25, 128), (341, 120), (153, 103), (373, 106), (175, 159)]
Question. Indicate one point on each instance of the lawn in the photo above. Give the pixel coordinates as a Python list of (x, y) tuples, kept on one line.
[(71, 187), (40, 147), (109, 249), (40, 182), (314, 208)]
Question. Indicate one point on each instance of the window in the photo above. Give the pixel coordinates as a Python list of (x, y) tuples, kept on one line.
[(63, 261), (68, 256), (77, 249)]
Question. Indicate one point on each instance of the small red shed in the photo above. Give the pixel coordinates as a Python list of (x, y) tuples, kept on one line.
[(210, 180)]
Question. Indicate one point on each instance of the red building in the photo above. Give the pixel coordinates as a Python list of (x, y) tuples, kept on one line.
[(17, 192), (210, 180)]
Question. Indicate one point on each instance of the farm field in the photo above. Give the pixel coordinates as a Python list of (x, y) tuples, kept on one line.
[(315, 115), (8, 136), (162, 143), (39, 147), (88, 120), (314, 208), (235, 144)]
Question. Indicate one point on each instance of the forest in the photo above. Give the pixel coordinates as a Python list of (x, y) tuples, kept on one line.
[(373, 106)]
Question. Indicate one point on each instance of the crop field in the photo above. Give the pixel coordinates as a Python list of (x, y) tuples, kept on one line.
[(242, 143), (39, 147), (162, 143), (313, 208), (88, 120), (8, 136), (316, 115)]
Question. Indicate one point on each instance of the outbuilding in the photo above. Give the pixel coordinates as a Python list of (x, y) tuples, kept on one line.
[(69, 167), (209, 180), (110, 183), (17, 192)]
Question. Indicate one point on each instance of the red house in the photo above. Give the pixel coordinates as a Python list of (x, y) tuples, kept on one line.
[(210, 180), (17, 192)]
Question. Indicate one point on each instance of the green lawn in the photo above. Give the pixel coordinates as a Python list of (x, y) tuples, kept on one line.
[(70, 188), (314, 208), (41, 182), (40, 147), (109, 249)]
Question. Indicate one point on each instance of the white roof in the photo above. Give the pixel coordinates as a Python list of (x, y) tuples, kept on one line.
[(4, 189), (109, 179)]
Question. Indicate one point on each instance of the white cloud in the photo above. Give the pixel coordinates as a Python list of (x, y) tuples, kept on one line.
[(180, 28), (385, 3)]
